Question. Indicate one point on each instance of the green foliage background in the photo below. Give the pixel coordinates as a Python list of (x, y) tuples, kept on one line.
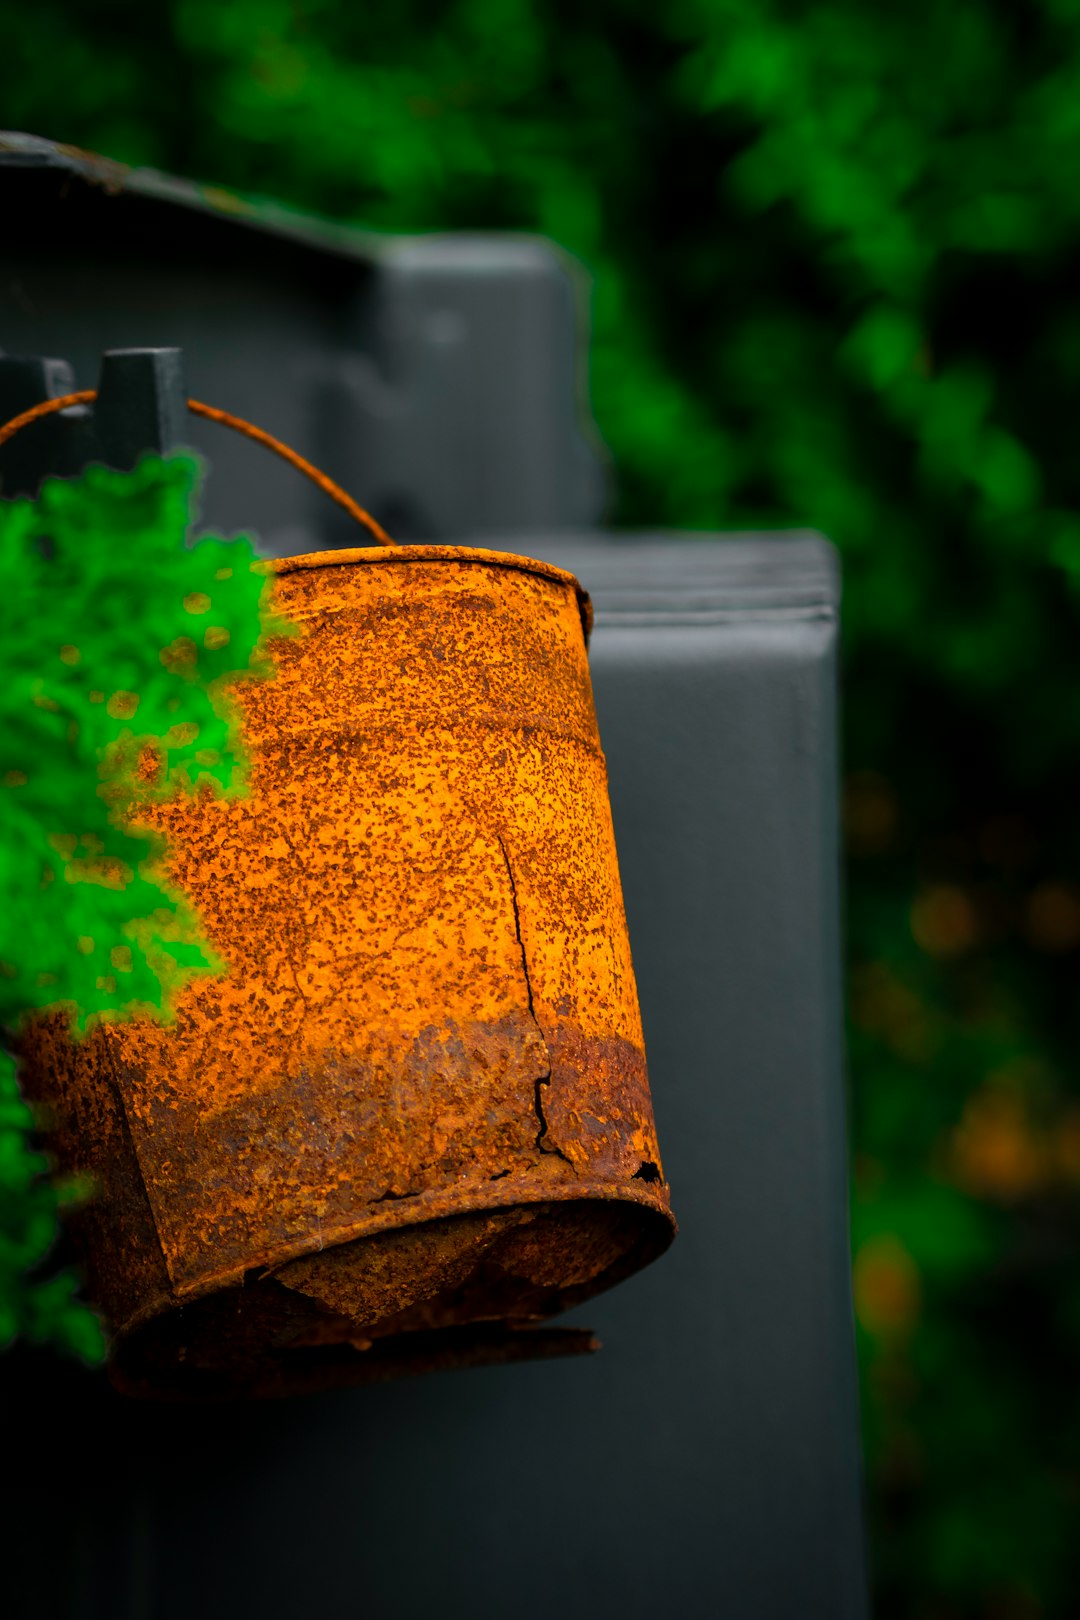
[(835, 249)]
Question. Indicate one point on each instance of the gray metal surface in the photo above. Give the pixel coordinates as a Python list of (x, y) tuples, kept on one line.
[(435, 377), (705, 1463), (715, 671)]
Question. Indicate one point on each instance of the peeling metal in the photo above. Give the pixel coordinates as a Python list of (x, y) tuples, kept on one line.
[(413, 1121)]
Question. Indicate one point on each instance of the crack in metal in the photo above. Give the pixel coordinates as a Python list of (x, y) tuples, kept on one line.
[(545, 1078)]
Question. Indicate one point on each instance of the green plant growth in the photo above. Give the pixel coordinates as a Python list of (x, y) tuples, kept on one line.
[(118, 644)]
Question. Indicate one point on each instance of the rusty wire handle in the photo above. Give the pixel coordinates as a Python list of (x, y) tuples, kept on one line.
[(86, 396)]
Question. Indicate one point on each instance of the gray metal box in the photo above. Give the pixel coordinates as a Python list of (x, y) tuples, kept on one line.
[(705, 1463), (435, 376)]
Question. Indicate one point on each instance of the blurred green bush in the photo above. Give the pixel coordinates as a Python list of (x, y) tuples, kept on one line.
[(835, 249)]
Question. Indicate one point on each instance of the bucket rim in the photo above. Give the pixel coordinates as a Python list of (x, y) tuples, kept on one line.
[(347, 557), (436, 1203)]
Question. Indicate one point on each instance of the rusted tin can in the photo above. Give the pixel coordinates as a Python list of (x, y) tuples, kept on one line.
[(413, 1117)]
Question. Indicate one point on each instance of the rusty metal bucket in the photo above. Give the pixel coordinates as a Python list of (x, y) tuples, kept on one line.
[(413, 1118)]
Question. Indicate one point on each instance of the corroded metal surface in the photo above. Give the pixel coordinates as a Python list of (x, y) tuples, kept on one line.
[(414, 1116)]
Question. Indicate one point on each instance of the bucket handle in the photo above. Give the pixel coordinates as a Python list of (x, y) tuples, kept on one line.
[(86, 396)]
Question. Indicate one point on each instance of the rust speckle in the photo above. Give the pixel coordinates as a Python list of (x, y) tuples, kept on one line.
[(413, 1120)]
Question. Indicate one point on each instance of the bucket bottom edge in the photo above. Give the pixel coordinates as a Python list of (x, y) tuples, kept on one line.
[(463, 1288)]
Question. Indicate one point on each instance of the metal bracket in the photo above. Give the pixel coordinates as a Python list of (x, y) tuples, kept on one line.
[(141, 405)]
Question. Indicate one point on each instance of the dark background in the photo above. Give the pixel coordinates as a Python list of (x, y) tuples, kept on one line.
[(835, 253)]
